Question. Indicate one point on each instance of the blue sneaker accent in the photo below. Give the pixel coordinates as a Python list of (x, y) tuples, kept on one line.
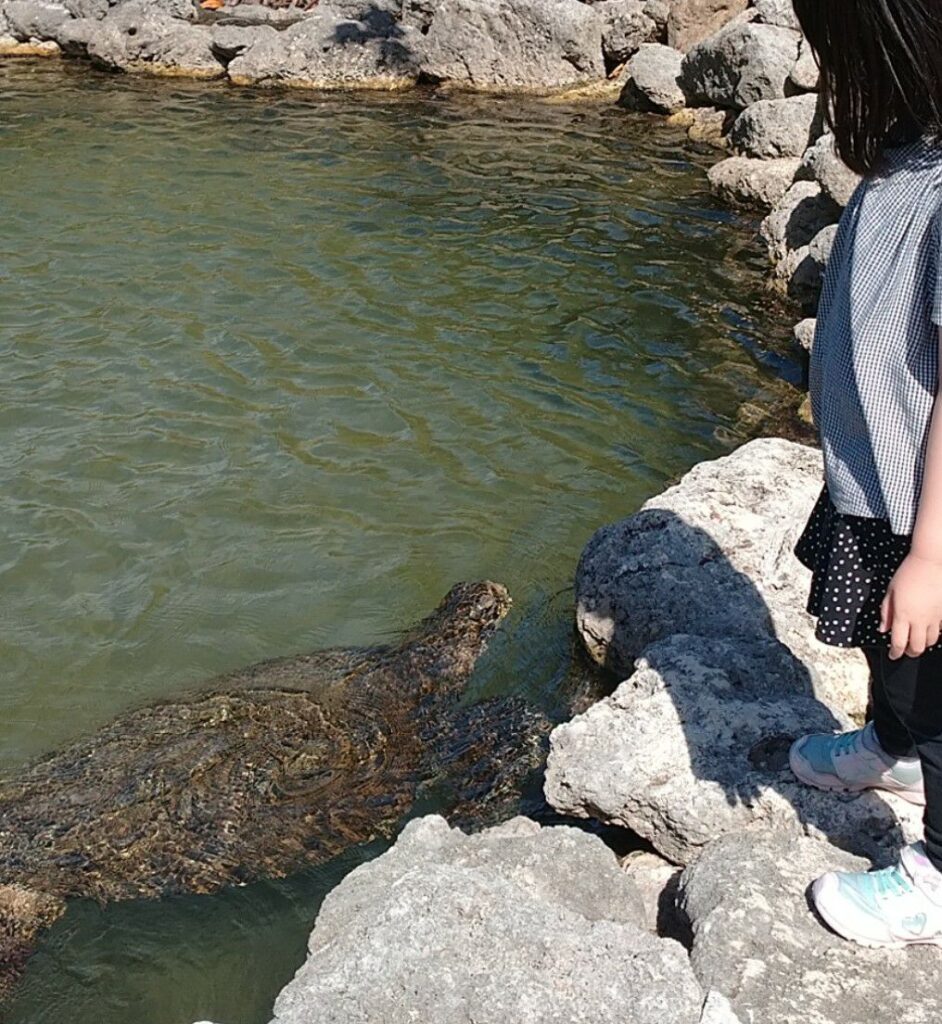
[(895, 907)]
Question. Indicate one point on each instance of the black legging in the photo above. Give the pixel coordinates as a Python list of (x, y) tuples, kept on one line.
[(906, 700)]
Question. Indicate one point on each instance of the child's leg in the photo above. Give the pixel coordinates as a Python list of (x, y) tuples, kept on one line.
[(910, 690), (893, 735)]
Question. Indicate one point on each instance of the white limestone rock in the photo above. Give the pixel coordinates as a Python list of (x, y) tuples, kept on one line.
[(713, 556), (136, 37), (777, 128), (796, 218), (821, 163), (694, 745), (748, 181), (757, 942), (626, 27), (514, 45), (805, 75), (516, 923), (804, 332), (740, 65), (652, 84), (777, 12), (337, 46)]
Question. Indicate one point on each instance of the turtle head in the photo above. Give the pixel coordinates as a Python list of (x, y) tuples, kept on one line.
[(447, 644)]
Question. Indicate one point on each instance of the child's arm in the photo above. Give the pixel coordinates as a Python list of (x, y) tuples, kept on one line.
[(912, 608)]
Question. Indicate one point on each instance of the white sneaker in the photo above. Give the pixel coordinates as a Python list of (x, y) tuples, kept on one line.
[(896, 907), (854, 761)]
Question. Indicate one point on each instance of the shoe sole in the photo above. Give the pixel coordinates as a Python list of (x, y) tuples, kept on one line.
[(805, 773), (831, 920)]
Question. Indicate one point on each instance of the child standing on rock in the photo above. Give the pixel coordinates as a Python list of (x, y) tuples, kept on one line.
[(874, 539)]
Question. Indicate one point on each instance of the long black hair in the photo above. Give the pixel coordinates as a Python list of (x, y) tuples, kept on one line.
[(881, 71)]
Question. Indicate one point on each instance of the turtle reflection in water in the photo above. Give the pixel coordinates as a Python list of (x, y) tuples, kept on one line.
[(266, 770)]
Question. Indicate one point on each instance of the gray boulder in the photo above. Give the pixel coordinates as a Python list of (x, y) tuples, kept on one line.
[(328, 51), (740, 65), (797, 247), (658, 11), (801, 273), (776, 128), (95, 9), (652, 84), (516, 923), (776, 12), (524, 45), (796, 218), (656, 880), (804, 332), (231, 41), (757, 942), (74, 35), (135, 37), (694, 745), (717, 1009), (750, 182), (626, 27), (714, 556), (33, 19), (805, 75), (690, 21), (821, 163)]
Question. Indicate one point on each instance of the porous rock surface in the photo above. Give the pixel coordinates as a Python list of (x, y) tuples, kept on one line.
[(516, 923), (626, 26), (753, 182), (777, 128), (713, 556), (804, 332), (690, 21), (740, 65), (757, 942), (821, 163), (652, 85), (137, 37), (331, 48), (529, 44), (694, 745)]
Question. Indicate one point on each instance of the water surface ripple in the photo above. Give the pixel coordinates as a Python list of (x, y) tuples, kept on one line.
[(277, 370)]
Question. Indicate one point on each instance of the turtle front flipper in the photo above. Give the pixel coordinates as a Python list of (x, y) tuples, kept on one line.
[(24, 913), (484, 755)]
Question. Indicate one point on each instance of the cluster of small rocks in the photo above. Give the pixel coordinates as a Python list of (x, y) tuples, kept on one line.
[(751, 88), (540, 46)]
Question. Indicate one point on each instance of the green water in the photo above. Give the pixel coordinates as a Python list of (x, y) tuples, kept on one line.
[(275, 371)]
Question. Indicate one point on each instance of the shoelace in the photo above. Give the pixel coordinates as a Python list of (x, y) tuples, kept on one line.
[(848, 743), (891, 882)]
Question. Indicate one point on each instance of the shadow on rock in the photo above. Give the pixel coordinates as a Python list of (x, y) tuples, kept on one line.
[(694, 744)]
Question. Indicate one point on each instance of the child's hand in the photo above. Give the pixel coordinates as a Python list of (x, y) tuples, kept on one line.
[(912, 609)]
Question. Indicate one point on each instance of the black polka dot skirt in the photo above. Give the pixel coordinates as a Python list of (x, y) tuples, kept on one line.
[(852, 560)]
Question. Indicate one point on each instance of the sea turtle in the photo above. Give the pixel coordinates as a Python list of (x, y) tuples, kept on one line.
[(259, 773)]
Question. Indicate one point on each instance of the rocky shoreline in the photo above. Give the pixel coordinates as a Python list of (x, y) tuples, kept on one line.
[(696, 600)]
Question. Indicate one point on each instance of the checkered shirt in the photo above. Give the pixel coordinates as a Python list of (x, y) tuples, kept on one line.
[(874, 361)]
